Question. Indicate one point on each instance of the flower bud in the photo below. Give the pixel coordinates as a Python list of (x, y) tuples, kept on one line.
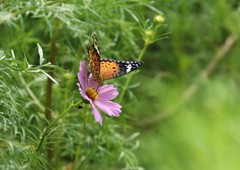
[(159, 19), (148, 33)]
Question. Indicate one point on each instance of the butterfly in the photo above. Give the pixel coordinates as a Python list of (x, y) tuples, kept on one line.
[(104, 69)]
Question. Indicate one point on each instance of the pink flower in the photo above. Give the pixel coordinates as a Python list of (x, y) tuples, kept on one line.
[(98, 96)]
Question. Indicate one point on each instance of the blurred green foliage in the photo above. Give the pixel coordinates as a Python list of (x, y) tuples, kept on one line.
[(31, 98), (189, 120), (183, 101)]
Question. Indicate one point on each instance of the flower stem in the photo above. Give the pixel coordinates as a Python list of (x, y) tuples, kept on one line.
[(46, 130), (130, 76)]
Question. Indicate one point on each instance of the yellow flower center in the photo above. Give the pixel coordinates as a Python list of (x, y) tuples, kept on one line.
[(92, 93)]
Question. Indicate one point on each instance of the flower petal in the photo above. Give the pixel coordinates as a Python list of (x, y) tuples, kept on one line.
[(82, 75), (84, 95), (92, 83), (109, 107), (96, 113), (105, 88), (107, 92)]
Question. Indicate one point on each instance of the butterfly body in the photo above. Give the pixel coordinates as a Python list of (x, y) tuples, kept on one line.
[(94, 59), (104, 69)]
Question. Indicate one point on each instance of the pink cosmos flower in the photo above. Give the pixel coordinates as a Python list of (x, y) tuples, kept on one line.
[(98, 96)]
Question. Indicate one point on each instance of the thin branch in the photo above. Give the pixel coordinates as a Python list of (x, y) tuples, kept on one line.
[(220, 54), (49, 83), (48, 111)]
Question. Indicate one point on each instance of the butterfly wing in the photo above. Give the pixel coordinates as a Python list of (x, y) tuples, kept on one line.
[(105, 69), (110, 68), (94, 58)]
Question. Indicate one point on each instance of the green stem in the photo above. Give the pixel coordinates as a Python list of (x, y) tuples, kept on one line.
[(44, 134), (48, 113), (130, 76), (76, 160)]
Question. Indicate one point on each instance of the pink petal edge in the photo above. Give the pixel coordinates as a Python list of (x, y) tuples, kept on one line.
[(82, 75), (109, 107), (96, 113)]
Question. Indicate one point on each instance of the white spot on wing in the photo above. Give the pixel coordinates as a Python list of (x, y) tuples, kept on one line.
[(129, 68)]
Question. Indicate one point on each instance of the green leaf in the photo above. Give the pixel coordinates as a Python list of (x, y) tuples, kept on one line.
[(49, 76), (40, 52)]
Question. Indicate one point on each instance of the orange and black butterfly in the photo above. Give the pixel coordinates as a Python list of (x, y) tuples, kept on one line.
[(104, 69)]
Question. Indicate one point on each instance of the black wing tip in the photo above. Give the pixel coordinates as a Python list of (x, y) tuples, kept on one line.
[(138, 63)]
